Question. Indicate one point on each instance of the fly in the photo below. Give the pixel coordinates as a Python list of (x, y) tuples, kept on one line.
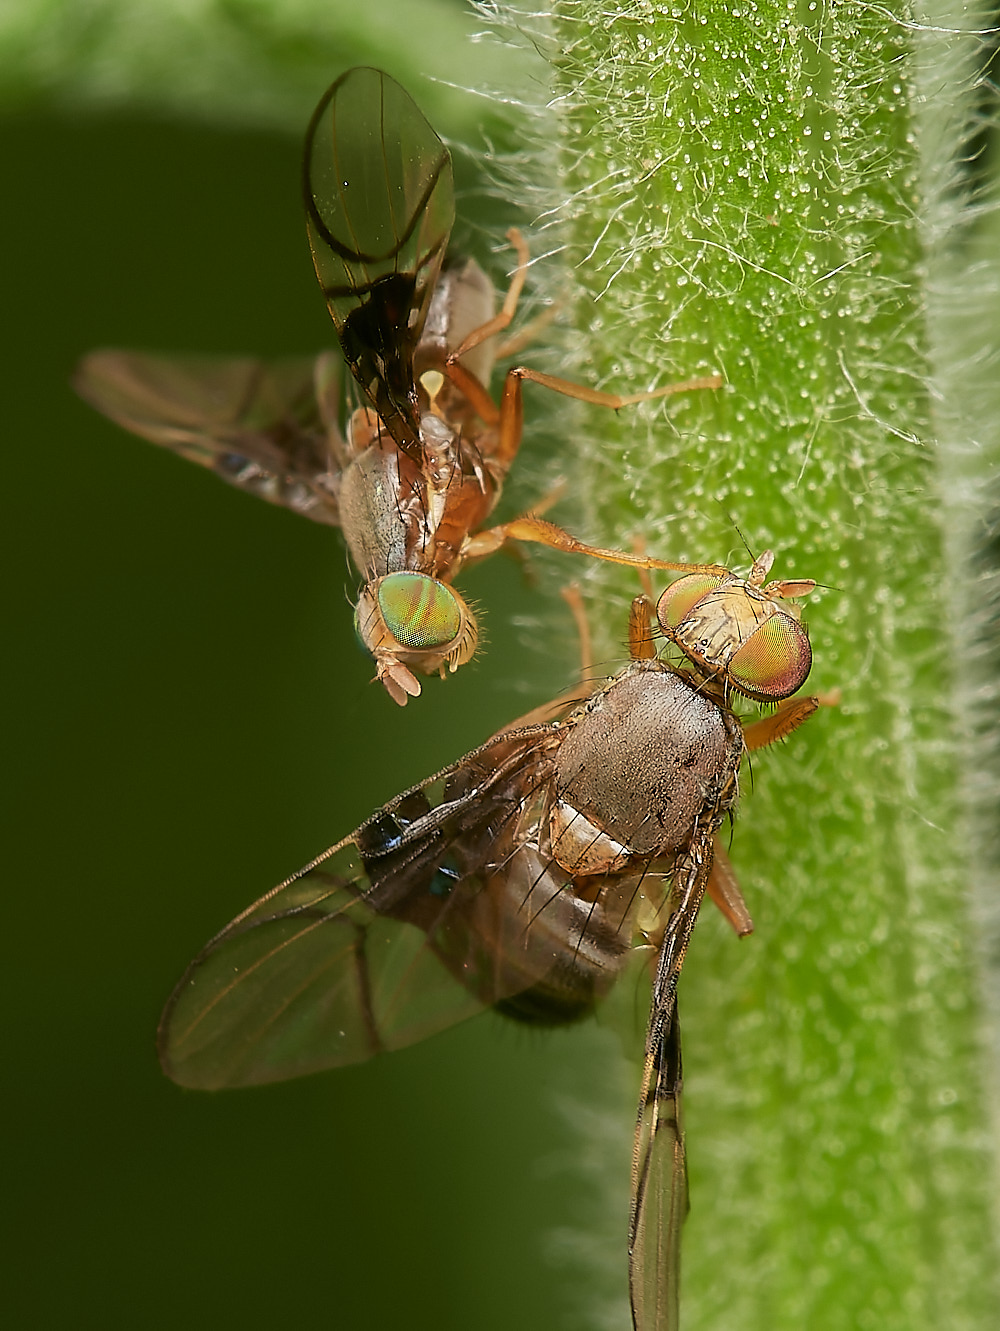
[(522, 878), (420, 462)]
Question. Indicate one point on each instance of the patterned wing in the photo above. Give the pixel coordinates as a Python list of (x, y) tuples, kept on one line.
[(266, 427), (379, 206), (419, 919)]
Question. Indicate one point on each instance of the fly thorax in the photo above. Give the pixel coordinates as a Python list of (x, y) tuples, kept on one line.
[(642, 764)]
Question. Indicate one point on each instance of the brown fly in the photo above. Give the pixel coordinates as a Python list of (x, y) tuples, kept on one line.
[(418, 466), (522, 878)]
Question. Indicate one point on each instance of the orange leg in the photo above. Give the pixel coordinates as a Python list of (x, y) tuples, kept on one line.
[(780, 724), (571, 595), (485, 408), (510, 346), (511, 415), (540, 532), (501, 320), (510, 418), (464, 380), (640, 630), (645, 581), (724, 889), (615, 401)]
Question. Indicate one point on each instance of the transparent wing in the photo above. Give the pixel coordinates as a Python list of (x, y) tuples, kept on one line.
[(266, 427), (310, 978), (419, 919), (380, 206), (659, 1172), (661, 1201)]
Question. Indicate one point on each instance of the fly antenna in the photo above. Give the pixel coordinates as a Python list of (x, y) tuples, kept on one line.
[(735, 526)]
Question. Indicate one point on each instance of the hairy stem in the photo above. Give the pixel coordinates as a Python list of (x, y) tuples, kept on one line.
[(760, 190)]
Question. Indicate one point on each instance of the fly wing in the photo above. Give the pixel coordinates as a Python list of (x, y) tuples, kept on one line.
[(266, 427), (659, 1172), (379, 207), (660, 1202), (409, 925), (311, 977)]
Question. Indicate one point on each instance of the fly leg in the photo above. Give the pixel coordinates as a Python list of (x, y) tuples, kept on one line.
[(788, 717), (723, 886), (502, 319), (645, 581), (548, 712), (510, 415), (641, 646), (532, 528), (477, 392), (510, 418), (516, 343), (724, 889), (571, 595)]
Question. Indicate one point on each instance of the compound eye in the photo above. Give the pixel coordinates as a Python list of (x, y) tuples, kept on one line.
[(773, 662), (682, 596), (419, 611)]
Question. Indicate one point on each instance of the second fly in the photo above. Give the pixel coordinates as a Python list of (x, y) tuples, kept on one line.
[(421, 463)]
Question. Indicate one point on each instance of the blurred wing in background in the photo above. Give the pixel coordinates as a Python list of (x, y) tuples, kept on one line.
[(266, 427)]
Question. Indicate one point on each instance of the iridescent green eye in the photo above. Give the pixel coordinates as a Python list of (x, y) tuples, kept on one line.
[(418, 611), (682, 596), (774, 661)]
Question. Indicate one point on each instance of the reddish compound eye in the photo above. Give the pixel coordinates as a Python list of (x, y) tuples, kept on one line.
[(682, 596), (773, 662)]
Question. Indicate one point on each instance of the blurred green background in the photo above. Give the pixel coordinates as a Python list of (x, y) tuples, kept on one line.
[(190, 721)]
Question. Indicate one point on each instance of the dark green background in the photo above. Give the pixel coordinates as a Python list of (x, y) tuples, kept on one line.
[(190, 721)]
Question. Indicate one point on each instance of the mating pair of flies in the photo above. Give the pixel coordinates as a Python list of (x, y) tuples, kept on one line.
[(528, 874)]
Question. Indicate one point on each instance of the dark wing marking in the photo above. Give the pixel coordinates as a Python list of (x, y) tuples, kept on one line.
[(416, 921), (269, 428), (380, 207)]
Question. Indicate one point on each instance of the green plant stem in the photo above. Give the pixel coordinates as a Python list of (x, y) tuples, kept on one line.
[(746, 193)]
